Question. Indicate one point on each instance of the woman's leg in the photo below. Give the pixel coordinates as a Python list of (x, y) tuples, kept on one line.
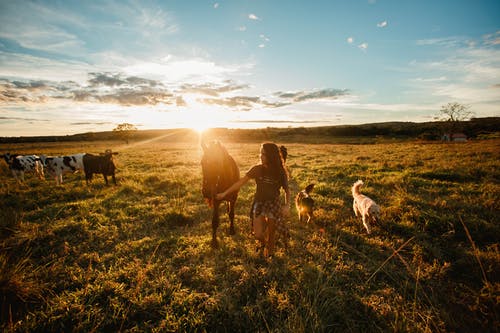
[(271, 236), (259, 228)]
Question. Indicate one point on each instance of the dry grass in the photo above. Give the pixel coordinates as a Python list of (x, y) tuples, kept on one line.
[(137, 256)]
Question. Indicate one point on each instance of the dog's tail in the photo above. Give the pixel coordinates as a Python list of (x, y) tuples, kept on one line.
[(356, 186), (309, 188)]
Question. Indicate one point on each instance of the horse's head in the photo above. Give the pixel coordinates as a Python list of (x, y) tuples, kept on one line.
[(212, 165)]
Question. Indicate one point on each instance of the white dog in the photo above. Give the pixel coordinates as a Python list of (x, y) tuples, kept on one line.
[(364, 206)]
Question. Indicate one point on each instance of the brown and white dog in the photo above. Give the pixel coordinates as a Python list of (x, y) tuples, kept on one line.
[(364, 206), (305, 204)]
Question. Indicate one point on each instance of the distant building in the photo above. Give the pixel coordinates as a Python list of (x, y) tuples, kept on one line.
[(456, 137)]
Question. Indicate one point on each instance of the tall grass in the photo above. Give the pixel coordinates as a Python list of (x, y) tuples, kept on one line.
[(137, 256)]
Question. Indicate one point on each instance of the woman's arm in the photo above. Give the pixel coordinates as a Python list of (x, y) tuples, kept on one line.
[(287, 197), (232, 188)]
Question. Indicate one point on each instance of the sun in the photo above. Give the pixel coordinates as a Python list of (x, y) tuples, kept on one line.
[(200, 126), (201, 120)]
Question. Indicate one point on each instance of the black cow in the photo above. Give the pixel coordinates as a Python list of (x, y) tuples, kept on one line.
[(102, 163), (19, 164)]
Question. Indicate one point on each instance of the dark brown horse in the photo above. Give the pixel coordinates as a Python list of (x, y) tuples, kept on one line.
[(219, 173)]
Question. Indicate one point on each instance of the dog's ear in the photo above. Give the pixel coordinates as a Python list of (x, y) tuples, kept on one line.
[(309, 188)]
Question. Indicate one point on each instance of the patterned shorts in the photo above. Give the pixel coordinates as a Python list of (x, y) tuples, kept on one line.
[(272, 210)]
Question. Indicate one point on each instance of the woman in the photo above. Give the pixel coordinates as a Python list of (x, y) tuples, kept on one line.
[(270, 176)]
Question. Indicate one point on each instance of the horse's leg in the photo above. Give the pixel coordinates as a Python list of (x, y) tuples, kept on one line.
[(215, 223), (231, 217)]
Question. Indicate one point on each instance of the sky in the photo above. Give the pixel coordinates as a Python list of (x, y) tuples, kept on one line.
[(70, 67)]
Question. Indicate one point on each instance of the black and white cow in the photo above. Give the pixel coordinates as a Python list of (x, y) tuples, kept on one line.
[(19, 164), (59, 165), (102, 163)]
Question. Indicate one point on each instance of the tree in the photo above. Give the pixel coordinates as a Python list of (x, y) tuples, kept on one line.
[(125, 131), (452, 114)]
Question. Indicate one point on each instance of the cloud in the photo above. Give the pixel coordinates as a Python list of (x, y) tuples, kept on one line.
[(350, 40), (212, 89), (431, 79), (242, 103), (382, 24), (302, 96), (30, 91), (176, 70), (471, 70), (274, 121), (363, 46), (179, 101), (39, 27), (80, 123), (216, 5), (124, 90), (253, 17), (23, 119), (102, 88), (492, 39), (277, 100), (444, 42), (106, 79), (149, 22), (117, 79), (129, 97), (61, 30), (242, 28), (264, 39)]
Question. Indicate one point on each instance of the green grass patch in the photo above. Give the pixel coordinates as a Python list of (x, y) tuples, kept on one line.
[(137, 257)]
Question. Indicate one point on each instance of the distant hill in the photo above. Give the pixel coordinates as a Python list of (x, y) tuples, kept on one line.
[(474, 128)]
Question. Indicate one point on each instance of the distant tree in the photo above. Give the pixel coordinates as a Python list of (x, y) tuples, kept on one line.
[(125, 131), (452, 114)]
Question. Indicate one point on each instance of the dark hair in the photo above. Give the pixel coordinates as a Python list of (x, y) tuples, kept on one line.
[(275, 160)]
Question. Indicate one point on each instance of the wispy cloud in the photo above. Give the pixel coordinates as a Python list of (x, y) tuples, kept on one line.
[(443, 42), (51, 28), (382, 24), (243, 103), (430, 79), (363, 46), (38, 27), (265, 40), (216, 5), (301, 96), (492, 39), (277, 100), (212, 89), (253, 17), (350, 40), (465, 72)]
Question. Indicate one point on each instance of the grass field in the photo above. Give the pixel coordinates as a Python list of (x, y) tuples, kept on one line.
[(136, 257)]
